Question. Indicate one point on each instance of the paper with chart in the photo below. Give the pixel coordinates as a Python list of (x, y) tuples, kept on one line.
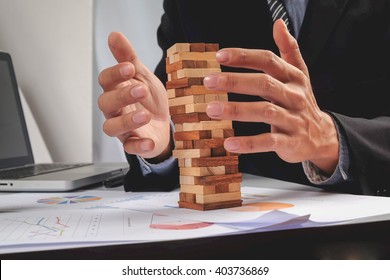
[(61, 220)]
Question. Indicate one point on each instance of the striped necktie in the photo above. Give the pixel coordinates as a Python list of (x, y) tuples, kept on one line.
[(279, 11)]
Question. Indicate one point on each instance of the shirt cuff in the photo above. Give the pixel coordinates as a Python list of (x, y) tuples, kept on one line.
[(162, 168)]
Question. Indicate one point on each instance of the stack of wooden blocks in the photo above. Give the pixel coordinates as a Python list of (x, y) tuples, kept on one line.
[(209, 177)]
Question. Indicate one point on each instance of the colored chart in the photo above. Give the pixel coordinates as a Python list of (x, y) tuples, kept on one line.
[(262, 206), (43, 227), (68, 199)]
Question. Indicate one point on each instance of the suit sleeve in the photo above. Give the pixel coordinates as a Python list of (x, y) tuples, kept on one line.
[(369, 146)]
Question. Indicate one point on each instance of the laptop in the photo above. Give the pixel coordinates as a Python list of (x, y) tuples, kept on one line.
[(18, 171)]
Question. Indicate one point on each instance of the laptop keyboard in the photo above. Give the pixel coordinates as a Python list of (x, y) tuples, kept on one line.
[(37, 169)]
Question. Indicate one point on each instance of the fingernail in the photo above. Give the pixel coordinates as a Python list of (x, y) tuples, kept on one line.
[(215, 109), (232, 145), (137, 92), (222, 56), (125, 71), (211, 81), (139, 117)]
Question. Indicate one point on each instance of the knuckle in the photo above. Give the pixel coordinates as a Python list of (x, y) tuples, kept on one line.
[(242, 57), (269, 58), (299, 101), (231, 82), (234, 110), (126, 123), (107, 129), (266, 83), (272, 142), (121, 96), (251, 145), (101, 103), (269, 111), (101, 79)]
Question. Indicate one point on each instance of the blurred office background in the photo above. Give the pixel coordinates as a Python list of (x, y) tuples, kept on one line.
[(58, 49)]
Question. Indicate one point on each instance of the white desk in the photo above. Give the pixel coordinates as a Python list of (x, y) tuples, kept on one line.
[(365, 237)]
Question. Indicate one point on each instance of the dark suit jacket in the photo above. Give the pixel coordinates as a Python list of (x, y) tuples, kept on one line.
[(346, 46)]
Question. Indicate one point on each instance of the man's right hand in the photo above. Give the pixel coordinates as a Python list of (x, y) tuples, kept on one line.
[(134, 103)]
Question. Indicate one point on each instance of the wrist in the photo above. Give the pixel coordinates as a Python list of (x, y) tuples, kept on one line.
[(327, 155)]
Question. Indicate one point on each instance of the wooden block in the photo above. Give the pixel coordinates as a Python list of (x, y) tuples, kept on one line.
[(192, 56), (196, 89), (191, 153), (197, 47), (217, 179), (209, 161), (218, 152), (215, 97), (209, 64), (178, 127), (218, 197), (210, 206), (177, 110), (184, 100), (181, 64), (192, 90), (171, 93), (191, 117), (202, 171), (208, 143), (198, 189), (192, 135), (180, 145), (231, 169), (179, 47), (189, 180), (222, 133), (185, 82), (187, 197), (207, 125), (208, 171), (212, 189), (211, 47), (195, 73), (210, 180), (214, 144), (196, 108), (188, 108)]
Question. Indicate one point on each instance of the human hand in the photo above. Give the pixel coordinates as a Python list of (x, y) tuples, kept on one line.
[(300, 131), (134, 103)]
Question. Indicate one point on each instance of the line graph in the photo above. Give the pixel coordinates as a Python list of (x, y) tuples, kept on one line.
[(41, 227)]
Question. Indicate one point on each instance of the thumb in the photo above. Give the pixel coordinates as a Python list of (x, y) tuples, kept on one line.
[(288, 46), (121, 48)]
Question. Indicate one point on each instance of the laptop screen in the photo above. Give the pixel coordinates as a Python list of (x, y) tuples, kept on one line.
[(15, 146)]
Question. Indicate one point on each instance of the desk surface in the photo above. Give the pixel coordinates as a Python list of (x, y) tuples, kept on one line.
[(367, 239)]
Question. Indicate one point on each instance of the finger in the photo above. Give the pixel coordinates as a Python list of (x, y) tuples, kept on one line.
[(112, 101), (262, 85), (125, 124), (137, 146), (265, 112), (121, 48), (260, 60), (110, 77), (288, 46), (266, 142)]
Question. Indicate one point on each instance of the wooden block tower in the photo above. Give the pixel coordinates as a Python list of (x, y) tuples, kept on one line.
[(209, 177)]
